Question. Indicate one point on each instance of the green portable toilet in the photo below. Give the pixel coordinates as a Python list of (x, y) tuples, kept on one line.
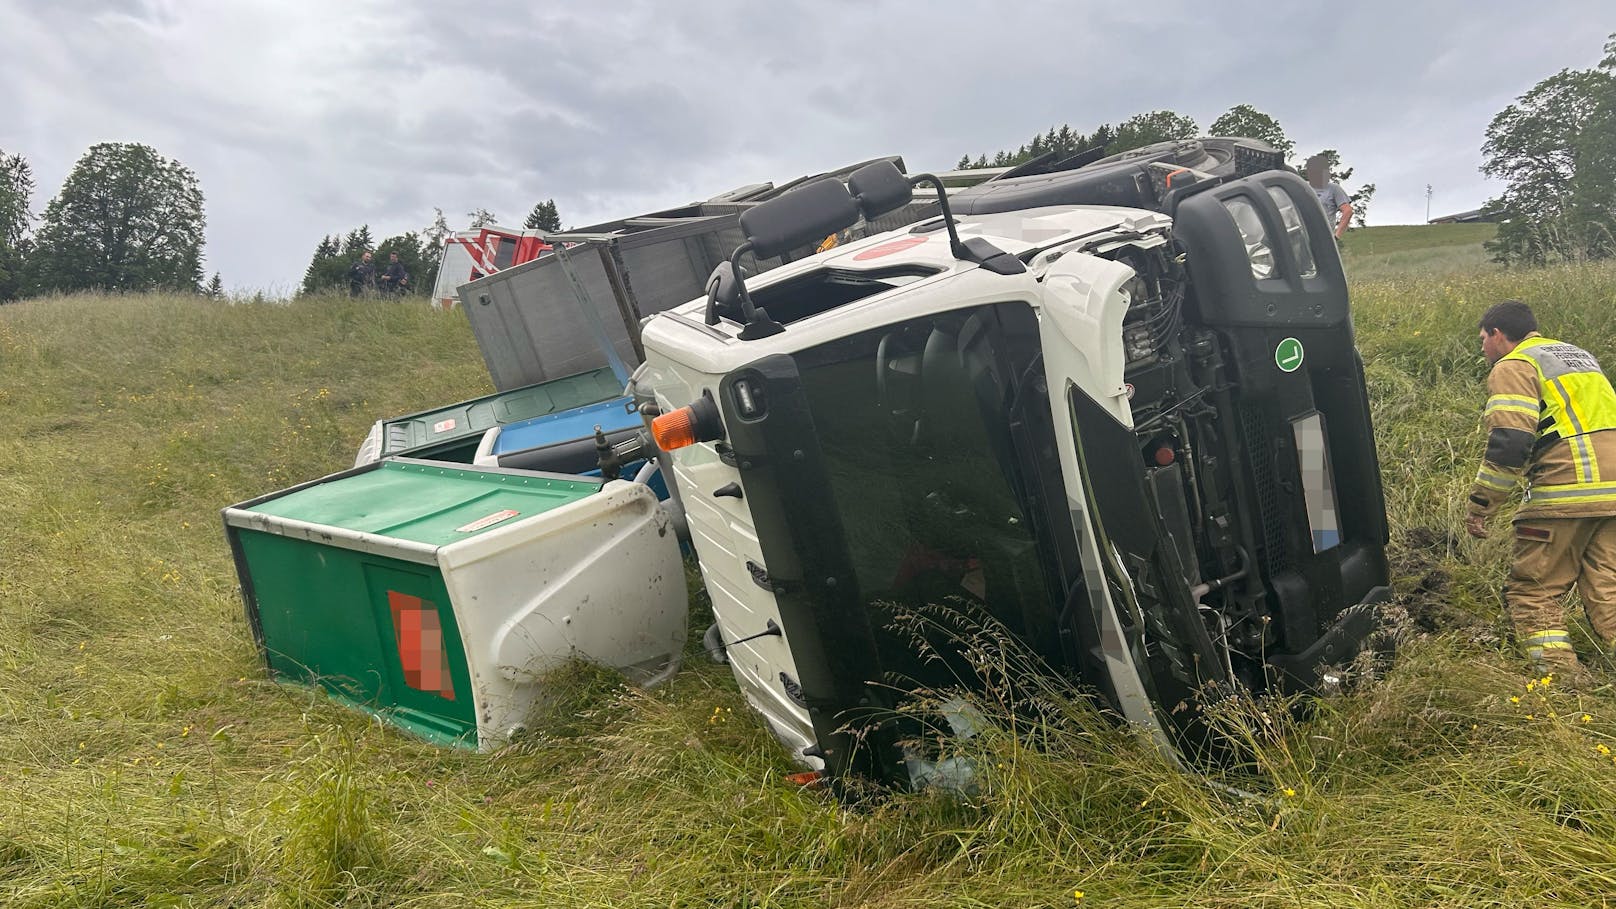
[(438, 596), (452, 432)]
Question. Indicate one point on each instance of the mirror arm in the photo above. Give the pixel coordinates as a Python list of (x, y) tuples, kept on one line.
[(747, 309), (954, 244)]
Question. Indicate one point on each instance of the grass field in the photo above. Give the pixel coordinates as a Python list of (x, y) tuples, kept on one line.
[(1427, 249), (145, 761)]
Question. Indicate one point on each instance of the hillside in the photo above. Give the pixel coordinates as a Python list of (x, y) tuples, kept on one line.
[(145, 761), (1417, 249)]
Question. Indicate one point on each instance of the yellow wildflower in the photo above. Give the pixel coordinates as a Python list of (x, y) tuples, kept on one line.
[(1289, 792), (1587, 719), (1077, 896), (1514, 699)]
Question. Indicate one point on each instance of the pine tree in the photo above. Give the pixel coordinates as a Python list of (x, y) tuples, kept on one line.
[(16, 189), (1066, 141), (215, 288), (481, 217), (544, 216), (328, 270), (432, 240), (357, 242)]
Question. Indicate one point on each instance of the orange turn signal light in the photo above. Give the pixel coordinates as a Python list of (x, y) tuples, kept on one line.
[(675, 429), (696, 422)]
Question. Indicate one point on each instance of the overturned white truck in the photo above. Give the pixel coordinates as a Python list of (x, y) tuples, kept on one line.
[(1116, 408)]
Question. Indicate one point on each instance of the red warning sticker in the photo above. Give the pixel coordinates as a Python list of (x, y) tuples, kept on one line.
[(888, 248), (443, 425), (421, 651), (488, 521)]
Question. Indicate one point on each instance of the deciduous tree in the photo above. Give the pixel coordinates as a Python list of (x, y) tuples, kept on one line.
[(1246, 121), (127, 218), (1147, 129), (1555, 149)]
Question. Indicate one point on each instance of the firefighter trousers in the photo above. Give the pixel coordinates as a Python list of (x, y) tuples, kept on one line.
[(1551, 556)]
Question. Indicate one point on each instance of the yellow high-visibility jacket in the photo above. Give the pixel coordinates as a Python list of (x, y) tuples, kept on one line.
[(1551, 419)]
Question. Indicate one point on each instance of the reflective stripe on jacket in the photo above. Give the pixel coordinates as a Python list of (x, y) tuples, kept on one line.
[(1550, 418)]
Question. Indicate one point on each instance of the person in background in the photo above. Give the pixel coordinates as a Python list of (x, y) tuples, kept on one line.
[(361, 276), (1551, 421), (396, 279), (1337, 204)]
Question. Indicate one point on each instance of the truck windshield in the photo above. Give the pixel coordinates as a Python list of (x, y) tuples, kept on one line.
[(935, 440)]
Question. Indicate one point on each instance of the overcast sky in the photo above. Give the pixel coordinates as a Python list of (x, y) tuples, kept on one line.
[(304, 118)]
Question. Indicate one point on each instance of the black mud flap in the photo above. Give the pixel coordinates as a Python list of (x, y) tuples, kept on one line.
[(1356, 630)]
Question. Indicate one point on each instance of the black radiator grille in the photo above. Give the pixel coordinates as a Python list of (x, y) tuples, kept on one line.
[(1259, 431)]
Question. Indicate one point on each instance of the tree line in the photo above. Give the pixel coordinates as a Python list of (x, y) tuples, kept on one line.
[(129, 219), (420, 252), (1163, 126)]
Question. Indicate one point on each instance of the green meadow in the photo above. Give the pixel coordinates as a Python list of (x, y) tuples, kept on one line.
[(146, 760)]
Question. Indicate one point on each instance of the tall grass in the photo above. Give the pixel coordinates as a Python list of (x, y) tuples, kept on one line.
[(145, 761)]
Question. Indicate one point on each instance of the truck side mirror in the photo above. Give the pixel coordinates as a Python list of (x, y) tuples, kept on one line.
[(879, 188), (798, 218)]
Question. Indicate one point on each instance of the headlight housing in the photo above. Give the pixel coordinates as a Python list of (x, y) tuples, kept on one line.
[(1259, 252), (1295, 232)]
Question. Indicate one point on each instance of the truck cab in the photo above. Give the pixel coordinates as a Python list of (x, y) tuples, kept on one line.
[(1133, 436)]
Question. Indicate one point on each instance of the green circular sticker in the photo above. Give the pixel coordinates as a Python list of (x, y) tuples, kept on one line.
[(1288, 355)]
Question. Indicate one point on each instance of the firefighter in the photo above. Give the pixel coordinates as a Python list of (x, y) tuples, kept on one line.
[(1551, 419)]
